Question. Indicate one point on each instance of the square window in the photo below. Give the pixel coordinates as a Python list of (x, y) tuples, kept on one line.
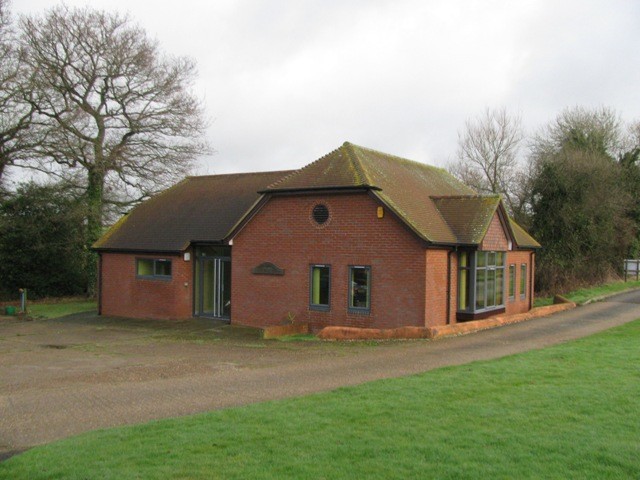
[(320, 287), (144, 267), (162, 268), (360, 288), (153, 268)]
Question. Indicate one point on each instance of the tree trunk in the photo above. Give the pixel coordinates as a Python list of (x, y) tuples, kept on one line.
[(94, 193)]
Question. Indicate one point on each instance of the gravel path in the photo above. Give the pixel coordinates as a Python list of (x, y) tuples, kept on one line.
[(59, 378)]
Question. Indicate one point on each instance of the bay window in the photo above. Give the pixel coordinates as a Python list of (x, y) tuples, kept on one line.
[(481, 278)]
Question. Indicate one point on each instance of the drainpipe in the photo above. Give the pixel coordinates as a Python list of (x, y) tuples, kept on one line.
[(531, 256), (100, 283), (449, 284)]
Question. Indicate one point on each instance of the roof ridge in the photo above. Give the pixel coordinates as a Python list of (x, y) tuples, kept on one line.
[(358, 165), (236, 174), (299, 170), (396, 157), (458, 197)]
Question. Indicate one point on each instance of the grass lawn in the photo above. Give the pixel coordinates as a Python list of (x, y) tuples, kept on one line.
[(584, 294), (60, 309), (569, 411)]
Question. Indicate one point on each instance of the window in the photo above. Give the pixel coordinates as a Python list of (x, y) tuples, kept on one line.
[(360, 289), (523, 280), (153, 268), (320, 287), (464, 281), (320, 213), (512, 282), (480, 281)]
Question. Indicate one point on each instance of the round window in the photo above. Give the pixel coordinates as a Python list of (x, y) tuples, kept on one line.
[(320, 214)]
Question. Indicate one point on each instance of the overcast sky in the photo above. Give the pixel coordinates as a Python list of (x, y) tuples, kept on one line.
[(285, 82)]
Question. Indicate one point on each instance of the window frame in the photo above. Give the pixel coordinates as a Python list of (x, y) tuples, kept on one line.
[(512, 282), (154, 267), (350, 307), (523, 281), (486, 269), (319, 306)]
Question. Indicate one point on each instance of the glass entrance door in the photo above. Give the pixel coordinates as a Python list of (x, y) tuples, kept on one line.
[(215, 287)]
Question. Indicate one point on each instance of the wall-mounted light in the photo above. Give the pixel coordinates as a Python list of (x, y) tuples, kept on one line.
[(380, 212), (187, 256)]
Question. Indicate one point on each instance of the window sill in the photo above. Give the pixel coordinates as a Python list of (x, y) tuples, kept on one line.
[(480, 315), (162, 278), (320, 308), (359, 311)]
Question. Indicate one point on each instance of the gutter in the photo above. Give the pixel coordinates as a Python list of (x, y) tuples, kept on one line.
[(449, 284)]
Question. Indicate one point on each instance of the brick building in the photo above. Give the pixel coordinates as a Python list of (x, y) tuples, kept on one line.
[(356, 238)]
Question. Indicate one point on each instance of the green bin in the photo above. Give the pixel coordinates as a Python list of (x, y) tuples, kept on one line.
[(10, 310)]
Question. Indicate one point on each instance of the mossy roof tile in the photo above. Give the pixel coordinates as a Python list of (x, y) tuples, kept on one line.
[(196, 209), (430, 201)]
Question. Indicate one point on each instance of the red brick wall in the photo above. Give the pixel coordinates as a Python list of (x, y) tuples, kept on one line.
[(125, 295), (517, 258), (495, 240), (284, 233), (436, 268)]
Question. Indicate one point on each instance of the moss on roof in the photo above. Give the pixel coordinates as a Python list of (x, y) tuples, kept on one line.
[(404, 185), (200, 209), (468, 216), (430, 201)]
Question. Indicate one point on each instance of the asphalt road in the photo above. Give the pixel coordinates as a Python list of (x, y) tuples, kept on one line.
[(60, 378)]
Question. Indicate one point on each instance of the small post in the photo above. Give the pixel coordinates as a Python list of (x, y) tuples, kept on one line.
[(23, 300), (625, 270)]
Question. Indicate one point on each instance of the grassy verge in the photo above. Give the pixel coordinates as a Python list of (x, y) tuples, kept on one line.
[(568, 411), (60, 309), (584, 294)]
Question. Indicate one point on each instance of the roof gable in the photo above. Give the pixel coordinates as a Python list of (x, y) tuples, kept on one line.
[(404, 185), (468, 216)]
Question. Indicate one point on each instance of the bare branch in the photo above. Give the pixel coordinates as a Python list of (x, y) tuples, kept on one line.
[(487, 154), (106, 99)]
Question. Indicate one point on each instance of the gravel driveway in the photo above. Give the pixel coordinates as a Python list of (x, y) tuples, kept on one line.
[(83, 372)]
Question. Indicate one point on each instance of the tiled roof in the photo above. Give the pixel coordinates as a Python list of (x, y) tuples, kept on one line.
[(197, 209), (430, 201), (468, 216), (404, 185), (435, 205), (523, 239)]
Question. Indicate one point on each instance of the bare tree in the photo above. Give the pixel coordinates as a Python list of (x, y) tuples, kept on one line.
[(487, 156), (109, 105), (15, 111)]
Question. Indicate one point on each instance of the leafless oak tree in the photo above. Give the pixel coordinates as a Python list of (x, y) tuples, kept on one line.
[(15, 111), (487, 156), (109, 105)]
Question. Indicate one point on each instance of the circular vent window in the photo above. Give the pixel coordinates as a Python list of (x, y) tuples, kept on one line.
[(320, 214)]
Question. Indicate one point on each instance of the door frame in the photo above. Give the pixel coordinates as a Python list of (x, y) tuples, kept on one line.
[(219, 287)]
